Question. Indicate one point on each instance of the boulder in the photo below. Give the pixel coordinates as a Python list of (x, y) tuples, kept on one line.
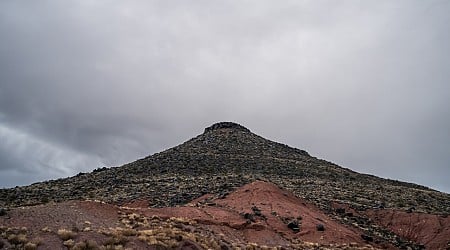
[(294, 226), (2, 211), (367, 237)]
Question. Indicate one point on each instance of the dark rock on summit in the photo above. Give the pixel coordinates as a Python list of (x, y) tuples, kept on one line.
[(226, 125)]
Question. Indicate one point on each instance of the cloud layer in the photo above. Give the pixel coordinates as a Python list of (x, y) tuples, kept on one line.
[(362, 84)]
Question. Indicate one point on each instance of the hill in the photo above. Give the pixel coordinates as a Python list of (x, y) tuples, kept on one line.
[(228, 156)]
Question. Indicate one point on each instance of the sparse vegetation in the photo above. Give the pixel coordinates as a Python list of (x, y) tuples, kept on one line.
[(117, 239), (17, 239), (128, 232), (85, 245), (66, 234), (69, 243), (30, 246)]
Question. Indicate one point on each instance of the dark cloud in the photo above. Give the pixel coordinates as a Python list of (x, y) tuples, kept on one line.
[(363, 84)]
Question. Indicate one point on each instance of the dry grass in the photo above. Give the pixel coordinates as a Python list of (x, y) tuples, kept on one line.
[(86, 245), (161, 233), (66, 234), (30, 246), (171, 237), (117, 240), (17, 239), (118, 237), (128, 231), (119, 247), (182, 220), (69, 243)]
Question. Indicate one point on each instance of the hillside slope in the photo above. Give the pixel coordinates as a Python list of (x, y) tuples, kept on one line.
[(224, 157)]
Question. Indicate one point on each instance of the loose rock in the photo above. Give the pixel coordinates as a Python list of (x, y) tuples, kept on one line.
[(2, 212), (340, 210), (249, 217), (320, 227), (367, 237), (256, 211), (294, 226)]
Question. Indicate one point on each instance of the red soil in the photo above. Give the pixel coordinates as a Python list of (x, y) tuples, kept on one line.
[(269, 199), (431, 230), (72, 214), (226, 216)]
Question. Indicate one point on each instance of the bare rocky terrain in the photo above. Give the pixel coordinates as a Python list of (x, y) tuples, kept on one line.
[(232, 187)]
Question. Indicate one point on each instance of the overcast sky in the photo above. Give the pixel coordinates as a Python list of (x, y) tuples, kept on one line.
[(86, 84)]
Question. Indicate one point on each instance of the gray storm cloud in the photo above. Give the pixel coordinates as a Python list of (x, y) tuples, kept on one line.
[(362, 84)]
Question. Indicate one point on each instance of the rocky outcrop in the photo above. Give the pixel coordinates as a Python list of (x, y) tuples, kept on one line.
[(226, 125)]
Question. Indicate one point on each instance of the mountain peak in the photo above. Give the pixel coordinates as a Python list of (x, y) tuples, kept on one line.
[(226, 125)]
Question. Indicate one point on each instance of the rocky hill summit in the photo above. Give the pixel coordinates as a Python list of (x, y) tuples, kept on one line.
[(227, 156), (224, 125)]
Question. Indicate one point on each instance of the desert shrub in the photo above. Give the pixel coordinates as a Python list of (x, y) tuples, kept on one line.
[(69, 243), (117, 240), (86, 245), (251, 246), (128, 232), (109, 247), (17, 239), (65, 234), (23, 230), (30, 246)]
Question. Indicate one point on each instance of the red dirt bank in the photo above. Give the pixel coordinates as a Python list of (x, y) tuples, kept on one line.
[(277, 207), (433, 231)]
